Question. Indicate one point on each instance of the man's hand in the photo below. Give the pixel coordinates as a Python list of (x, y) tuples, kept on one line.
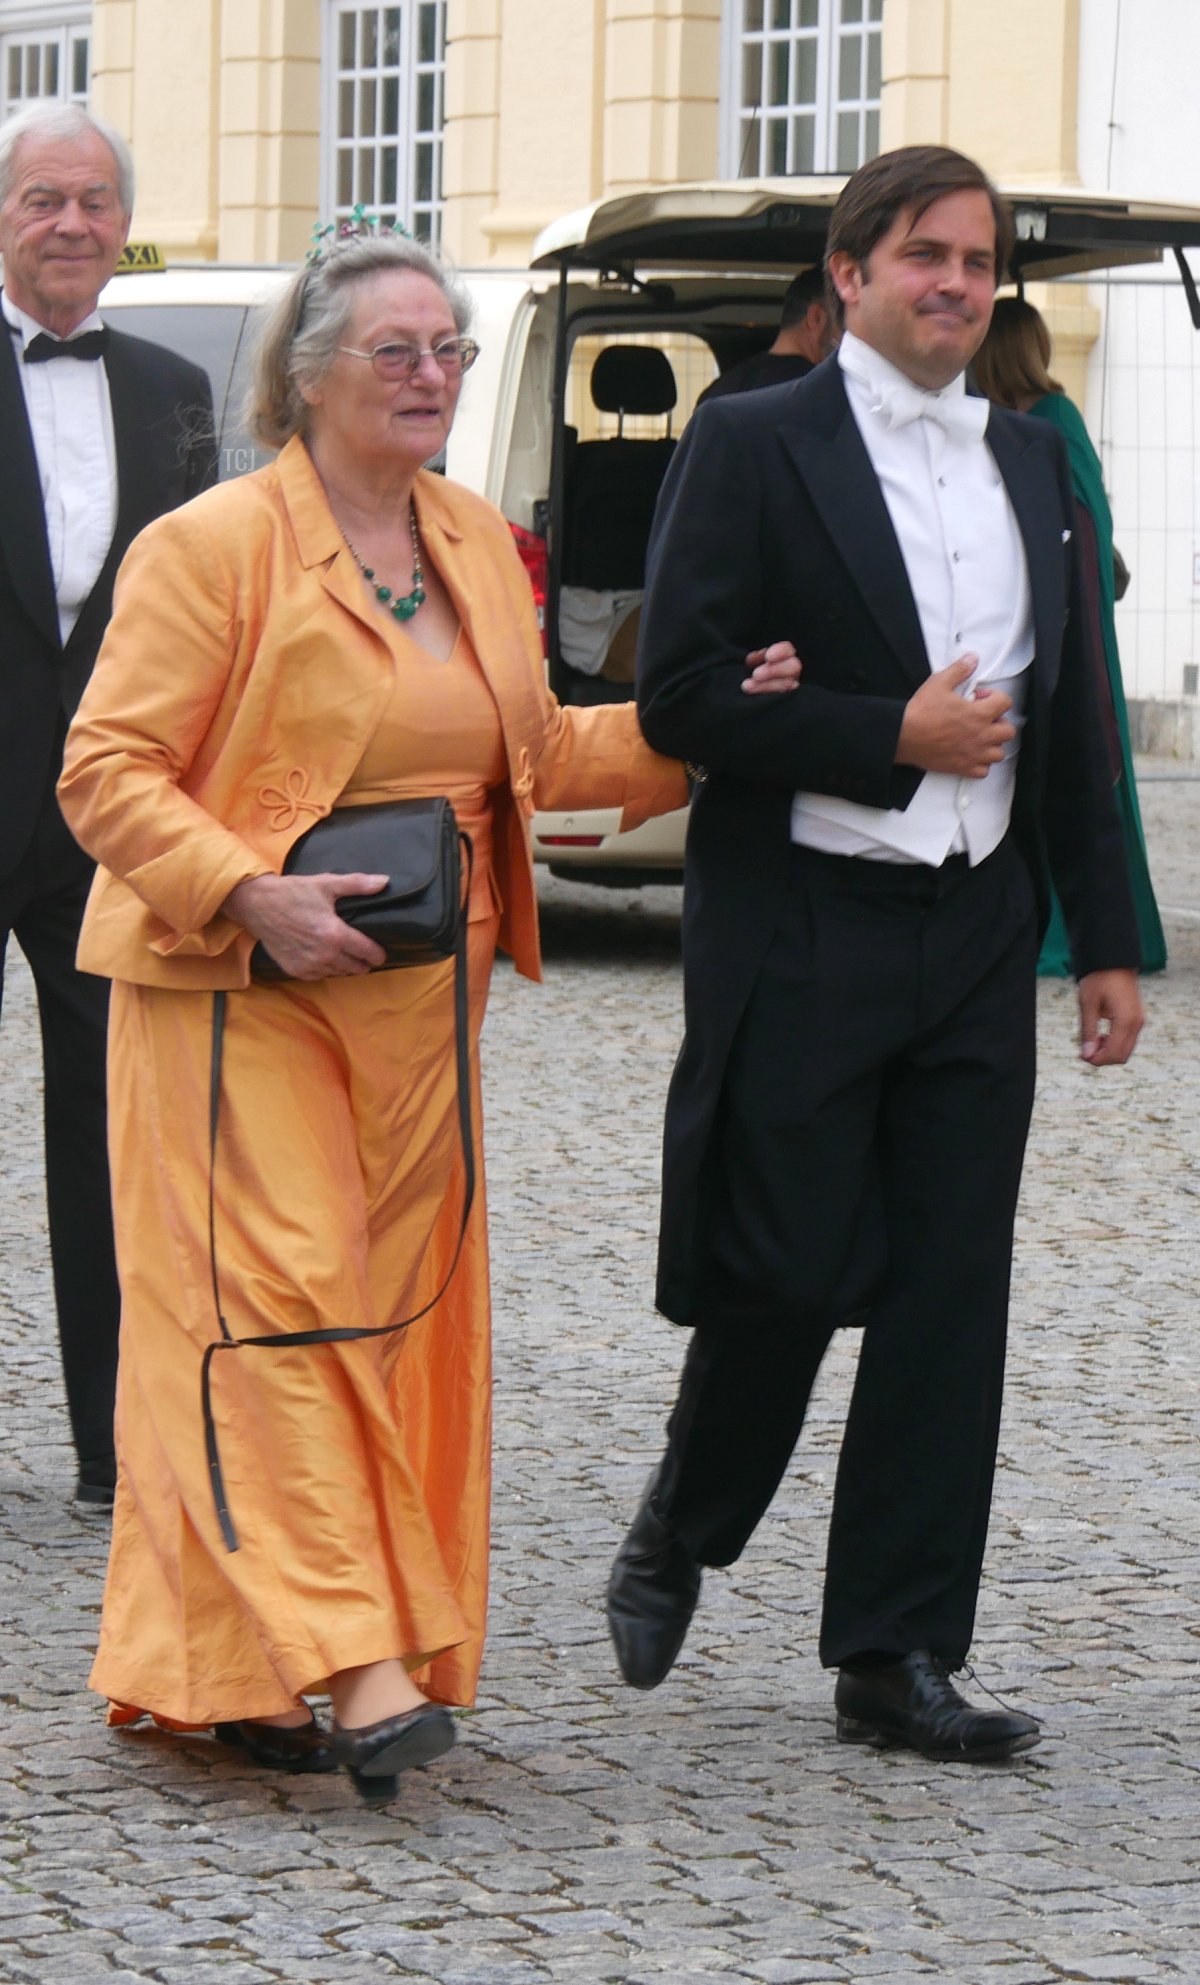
[(1110, 1017), (945, 732), (294, 916), (773, 670)]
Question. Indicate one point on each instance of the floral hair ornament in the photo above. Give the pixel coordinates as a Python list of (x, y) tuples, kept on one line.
[(361, 226)]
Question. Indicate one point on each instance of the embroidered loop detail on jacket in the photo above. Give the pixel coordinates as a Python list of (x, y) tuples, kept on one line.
[(288, 803), (522, 785)]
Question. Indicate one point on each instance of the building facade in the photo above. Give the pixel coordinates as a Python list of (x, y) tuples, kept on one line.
[(478, 121)]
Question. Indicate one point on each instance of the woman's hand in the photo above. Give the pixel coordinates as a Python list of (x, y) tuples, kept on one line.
[(772, 670), (294, 916)]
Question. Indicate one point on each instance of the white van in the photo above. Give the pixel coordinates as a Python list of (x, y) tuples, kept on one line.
[(590, 363)]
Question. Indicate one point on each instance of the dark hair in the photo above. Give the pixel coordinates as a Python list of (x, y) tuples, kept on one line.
[(906, 181), (1013, 362), (800, 295)]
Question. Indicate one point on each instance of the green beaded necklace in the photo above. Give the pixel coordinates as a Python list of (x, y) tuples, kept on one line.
[(401, 606)]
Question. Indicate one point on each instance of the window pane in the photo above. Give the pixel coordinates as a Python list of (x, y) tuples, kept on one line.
[(346, 27), (804, 144), (781, 14), (366, 108), (752, 73), (850, 68), (345, 110), (33, 70), (749, 156), (50, 85), (388, 176), (805, 88), (424, 172), (777, 91), (79, 66), (370, 39), (847, 141), (14, 72), (777, 146), (810, 13), (875, 10), (426, 101), (366, 177), (871, 136), (852, 10), (390, 126), (874, 66), (345, 179), (391, 38), (427, 34), (754, 16)]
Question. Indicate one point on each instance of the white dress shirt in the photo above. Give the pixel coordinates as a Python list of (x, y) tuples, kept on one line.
[(70, 416), (966, 565)]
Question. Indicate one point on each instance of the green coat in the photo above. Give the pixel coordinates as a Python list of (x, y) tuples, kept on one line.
[(1088, 480)]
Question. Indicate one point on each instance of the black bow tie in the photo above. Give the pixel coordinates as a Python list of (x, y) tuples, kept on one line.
[(89, 344)]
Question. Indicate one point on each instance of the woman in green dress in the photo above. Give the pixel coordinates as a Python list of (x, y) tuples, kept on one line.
[(1012, 368)]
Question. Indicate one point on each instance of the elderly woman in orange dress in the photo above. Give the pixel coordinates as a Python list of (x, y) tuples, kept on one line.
[(341, 627)]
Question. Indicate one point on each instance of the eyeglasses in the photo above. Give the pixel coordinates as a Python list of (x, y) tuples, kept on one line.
[(454, 355)]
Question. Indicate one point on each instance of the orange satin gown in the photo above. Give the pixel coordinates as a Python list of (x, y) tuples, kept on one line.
[(357, 1474)]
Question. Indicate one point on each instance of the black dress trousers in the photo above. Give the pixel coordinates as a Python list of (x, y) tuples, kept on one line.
[(41, 904), (872, 1130)]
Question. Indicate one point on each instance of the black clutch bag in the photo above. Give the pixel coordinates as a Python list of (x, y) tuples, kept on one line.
[(415, 843)]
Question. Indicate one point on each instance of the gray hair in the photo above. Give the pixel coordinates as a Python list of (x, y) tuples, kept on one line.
[(49, 119), (303, 329)]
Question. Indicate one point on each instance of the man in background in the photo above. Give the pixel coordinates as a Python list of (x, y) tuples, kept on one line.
[(806, 335), (102, 433)]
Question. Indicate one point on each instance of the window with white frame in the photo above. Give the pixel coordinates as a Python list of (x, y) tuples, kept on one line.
[(801, 84), (382, 131), (45, 51)]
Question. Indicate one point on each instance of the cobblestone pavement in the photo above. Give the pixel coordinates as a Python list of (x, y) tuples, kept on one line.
[(714, 1830)]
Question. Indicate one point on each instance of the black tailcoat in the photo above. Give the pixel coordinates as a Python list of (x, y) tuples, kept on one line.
[(165, 452), (772, 526)]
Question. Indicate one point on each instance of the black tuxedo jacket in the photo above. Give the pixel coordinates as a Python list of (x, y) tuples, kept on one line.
[(166, 452), (772, 526)]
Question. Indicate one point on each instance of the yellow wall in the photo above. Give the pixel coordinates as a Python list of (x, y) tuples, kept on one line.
[(549, 107), (220, 100), (998, 81), (155, 72), (549, 104)]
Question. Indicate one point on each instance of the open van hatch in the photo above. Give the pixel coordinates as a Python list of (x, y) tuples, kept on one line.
[(781, 224)]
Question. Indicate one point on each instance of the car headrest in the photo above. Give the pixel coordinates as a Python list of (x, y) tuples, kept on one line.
[(633, 379)]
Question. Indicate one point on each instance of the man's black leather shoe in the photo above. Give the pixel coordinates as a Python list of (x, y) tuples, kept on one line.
[(96, 1489), (652, 1594), (915, 1704)]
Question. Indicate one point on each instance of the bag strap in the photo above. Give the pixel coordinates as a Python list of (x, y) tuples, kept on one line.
[(337, 1334)]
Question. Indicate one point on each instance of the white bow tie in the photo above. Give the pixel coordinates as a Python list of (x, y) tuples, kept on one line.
[(960, 415)]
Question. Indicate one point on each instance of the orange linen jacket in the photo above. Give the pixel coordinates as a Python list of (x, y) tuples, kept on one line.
[(244, 670)]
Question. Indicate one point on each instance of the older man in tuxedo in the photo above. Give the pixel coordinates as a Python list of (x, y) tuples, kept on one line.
[(868, 868), (102, 432)]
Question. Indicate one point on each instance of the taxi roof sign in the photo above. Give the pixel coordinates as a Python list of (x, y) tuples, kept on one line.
[(142, 256)]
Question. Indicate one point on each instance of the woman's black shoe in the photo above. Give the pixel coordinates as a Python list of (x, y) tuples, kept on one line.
[(374, 1754), (277, 1748)]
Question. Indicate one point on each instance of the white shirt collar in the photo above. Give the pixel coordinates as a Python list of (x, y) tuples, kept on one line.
[(897, 399), (30, 328)]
